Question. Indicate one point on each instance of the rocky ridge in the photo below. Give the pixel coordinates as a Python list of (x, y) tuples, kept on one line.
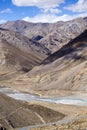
[(19, 52), (52, 35)]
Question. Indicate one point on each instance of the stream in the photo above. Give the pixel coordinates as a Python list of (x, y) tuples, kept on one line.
[(30, 97)]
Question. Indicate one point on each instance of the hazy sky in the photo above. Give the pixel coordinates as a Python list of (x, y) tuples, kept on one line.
[(42, 10)]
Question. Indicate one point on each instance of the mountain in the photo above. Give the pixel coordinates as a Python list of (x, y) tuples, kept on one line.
[(26, 28), (69, 48), (64, 33), (26, 64), (62, 73), (52, 35), (19, 52)]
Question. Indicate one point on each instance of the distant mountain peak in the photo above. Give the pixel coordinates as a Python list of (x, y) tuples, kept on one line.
[(51, 35)]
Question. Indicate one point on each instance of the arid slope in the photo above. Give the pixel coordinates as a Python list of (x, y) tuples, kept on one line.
[(65, 69), (14, 114), (60, 74), (17, 52)]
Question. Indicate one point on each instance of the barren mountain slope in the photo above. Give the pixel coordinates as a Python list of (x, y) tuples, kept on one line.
[(64, 33), (52, 35), (76, 124), (67, 72), (62, 73), (14, 114), (18, 52), (28, 29)]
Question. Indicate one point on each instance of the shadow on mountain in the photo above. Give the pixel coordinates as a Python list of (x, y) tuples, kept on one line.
[(75, 44)]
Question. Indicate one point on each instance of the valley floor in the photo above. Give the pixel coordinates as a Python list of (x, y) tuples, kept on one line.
[(45, 116)]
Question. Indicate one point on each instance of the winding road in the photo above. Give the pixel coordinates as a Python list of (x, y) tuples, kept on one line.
[(63, 121)]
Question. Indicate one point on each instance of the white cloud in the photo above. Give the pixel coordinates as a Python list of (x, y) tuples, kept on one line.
[(80, 6), (49, 10), (51, 18), (52, 11), (2, 21), (8, 10), (45, 18), (38, 3)]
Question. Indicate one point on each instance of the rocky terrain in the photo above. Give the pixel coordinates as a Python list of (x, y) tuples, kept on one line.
[(18, 52), (52, 35), (63, 33), (15, 114), (62, 73), (26, 64), (65, 69)]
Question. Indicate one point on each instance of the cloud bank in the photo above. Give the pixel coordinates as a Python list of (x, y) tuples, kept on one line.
[(80, 6), (50, 10), (38, 3), (49, 18)]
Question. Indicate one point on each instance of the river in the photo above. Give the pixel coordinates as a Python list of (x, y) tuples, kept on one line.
[(73, 100), (30, 97)]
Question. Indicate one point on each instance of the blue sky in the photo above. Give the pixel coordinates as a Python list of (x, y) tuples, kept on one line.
[(42, 10)]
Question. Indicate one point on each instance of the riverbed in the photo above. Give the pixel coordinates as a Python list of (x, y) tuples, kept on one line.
[(73, 100)]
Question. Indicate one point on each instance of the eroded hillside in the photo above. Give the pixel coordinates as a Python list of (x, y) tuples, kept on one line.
[(62, 73), (18, 52)]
